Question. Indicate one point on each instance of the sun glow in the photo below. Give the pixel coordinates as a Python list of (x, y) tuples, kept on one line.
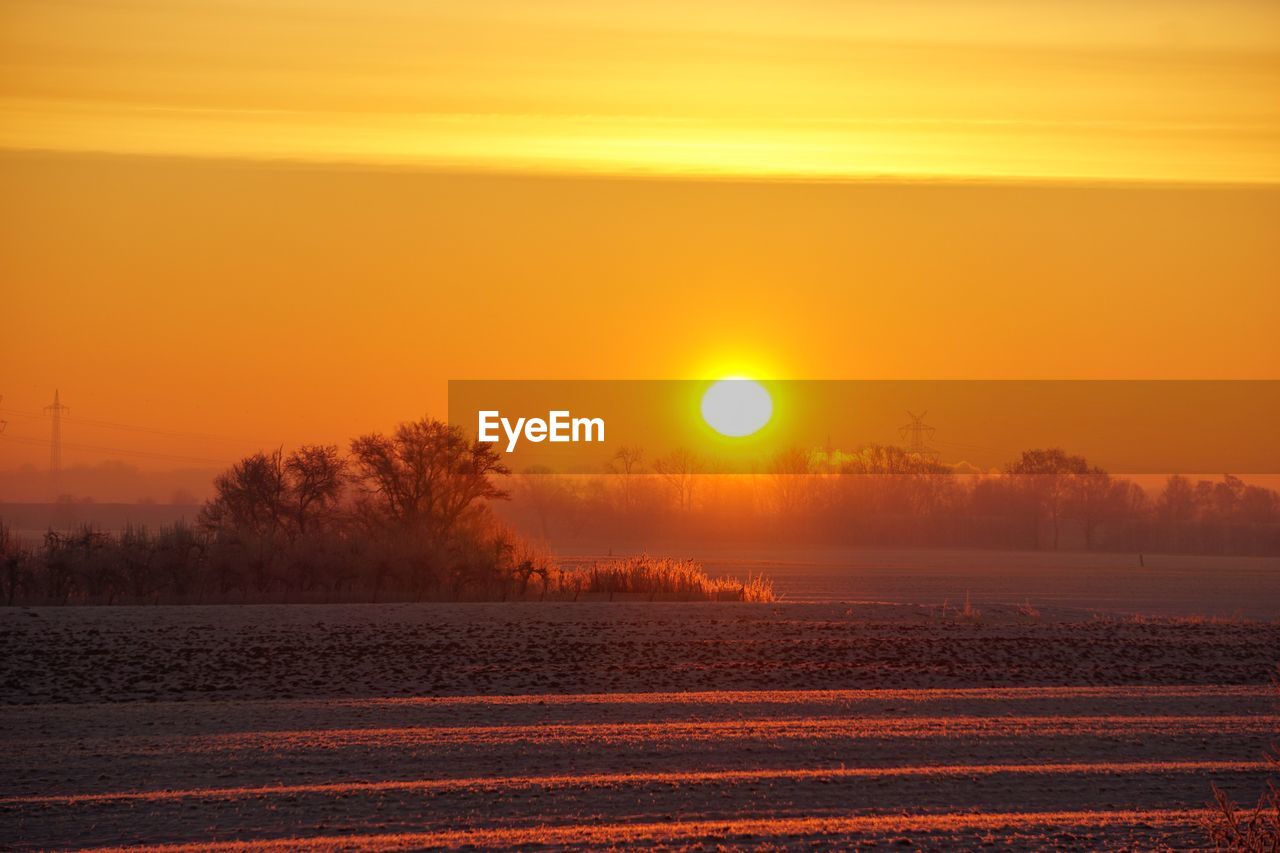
[(737, 407)]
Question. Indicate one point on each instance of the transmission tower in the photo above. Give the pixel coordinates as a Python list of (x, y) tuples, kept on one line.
[(917, 433), (55, 437)]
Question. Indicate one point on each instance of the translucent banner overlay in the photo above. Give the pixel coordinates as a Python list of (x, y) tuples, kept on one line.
[(747, 426)]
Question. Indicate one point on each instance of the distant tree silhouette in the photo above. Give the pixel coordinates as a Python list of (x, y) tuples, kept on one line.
[(888, 459), (407, 516), (625, 465), (552, 499), (792, 486), (1258, 505), (680, 469), (1048, 477), (1176, 506), (1092, 500)]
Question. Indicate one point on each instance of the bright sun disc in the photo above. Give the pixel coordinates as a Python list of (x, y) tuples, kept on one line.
[(736, 407)]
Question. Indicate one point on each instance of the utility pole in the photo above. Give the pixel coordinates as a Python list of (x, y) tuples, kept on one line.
[(917, 434), (55, 437)]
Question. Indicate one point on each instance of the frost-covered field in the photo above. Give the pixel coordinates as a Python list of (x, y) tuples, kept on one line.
[(602, 723)]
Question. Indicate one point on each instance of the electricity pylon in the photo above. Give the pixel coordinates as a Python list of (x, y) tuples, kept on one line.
[(917, 433), (55, 437)]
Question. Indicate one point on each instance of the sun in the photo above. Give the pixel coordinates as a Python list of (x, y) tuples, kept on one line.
[(736, 407)]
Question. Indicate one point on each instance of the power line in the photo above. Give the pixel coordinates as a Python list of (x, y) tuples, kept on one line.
[(94, 448), (58, 414), (91, 422), (960, 446)]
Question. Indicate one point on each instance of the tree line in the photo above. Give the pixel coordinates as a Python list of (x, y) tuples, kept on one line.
[(884, 495), (411, 515), (405, 515)]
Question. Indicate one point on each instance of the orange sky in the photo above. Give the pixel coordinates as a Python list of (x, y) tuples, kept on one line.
[(989, 190), (1151, 90)]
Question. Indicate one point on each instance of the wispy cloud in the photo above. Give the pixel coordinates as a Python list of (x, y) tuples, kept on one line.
[(1161, 91)]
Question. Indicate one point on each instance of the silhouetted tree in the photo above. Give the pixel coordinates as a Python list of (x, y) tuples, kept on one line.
[(425, 477), (1258, 505), (266, 494), (793, 487), (680, 469), (1092, 500), (552, 498), (316, 475), (888, 459), (250, 497), (1176, 506), (625, 465), (15, 573), (136, 555), (1047, 477)]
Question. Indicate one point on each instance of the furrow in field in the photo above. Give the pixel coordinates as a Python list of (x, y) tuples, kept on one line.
[(635, 800), (605, 734), (50, 723), (88, 764), (723, 777), (744, 830), (728, 697)]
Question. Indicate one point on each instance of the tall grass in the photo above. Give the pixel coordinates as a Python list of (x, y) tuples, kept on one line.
[(666, 578), (1255, 830), (1231, 827)]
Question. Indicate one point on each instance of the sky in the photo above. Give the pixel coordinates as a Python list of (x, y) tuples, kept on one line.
[(234, 224), (1150, 90)]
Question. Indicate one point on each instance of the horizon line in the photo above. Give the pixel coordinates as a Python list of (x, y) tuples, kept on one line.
[(642, 175)]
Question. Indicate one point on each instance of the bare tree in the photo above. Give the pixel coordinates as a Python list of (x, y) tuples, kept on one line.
[(548, 495), (625, 464), (1047, 477), (316, 475), (680, 469), (1177, 505), (425, 477), (890, 460), (1092, 500), (791, 476), (265, 494), (13, 562), (249, 497)]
